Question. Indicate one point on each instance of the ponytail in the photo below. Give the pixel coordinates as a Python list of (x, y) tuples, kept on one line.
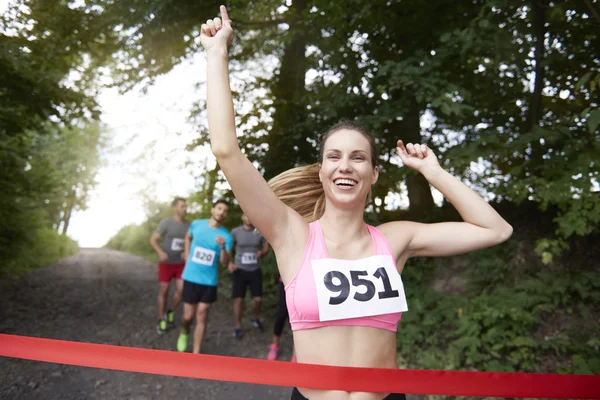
[(300, 189)]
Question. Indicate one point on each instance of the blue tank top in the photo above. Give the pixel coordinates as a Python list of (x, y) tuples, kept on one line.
[(202, 262)]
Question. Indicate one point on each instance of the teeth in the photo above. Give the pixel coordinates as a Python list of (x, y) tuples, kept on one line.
[(345, 182)]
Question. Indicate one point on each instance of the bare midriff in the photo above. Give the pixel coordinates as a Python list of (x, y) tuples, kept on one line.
[(345, 346)]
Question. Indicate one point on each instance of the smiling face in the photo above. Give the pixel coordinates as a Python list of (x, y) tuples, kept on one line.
[(347, 170)]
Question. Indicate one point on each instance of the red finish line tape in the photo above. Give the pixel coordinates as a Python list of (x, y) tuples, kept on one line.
[(247, 370)]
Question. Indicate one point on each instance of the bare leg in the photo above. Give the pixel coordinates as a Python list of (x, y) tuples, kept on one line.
[(163, 291), (238, 310), (201, 318), (188, 316), (178, 292), (256, 303)]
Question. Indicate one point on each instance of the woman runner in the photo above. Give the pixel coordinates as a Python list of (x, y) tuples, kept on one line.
[(342, 276)]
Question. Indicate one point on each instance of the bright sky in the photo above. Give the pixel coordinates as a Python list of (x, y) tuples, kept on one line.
[(153, 125)]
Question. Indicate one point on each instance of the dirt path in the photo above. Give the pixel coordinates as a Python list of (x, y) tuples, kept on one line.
[(104, 296)]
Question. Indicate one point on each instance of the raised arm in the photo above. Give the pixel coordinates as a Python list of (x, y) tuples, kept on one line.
[(271, 217), (482, 226)]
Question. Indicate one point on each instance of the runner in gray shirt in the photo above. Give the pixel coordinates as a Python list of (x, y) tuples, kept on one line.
[(249, 247), (172, 230)]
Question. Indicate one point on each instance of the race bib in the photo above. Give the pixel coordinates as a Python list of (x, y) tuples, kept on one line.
[(203, 256), (249, 258), (358, 288), (177, 244)]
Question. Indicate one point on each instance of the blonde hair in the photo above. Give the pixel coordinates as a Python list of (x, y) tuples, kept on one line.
[(301, 189)]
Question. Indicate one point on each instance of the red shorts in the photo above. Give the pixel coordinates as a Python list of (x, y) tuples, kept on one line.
[(166, 271)]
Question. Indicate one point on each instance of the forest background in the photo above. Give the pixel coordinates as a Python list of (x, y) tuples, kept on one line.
[(506, 92)]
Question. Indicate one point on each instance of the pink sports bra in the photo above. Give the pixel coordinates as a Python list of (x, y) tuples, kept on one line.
[(301, 292)]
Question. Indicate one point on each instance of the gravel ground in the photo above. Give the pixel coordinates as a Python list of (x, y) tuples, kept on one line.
[(104, 296)]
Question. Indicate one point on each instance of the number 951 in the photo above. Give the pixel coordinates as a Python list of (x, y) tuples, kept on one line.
[(358, 279)]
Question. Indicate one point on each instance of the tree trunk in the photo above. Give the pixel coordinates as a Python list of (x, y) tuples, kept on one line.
[(67, 213), (211, 183), (419, 192), (539, 7), (286, 141)]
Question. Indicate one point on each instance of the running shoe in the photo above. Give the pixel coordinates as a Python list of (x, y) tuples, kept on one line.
[(258, 325), (182, 342), (273, 352), (237, 333), (170, 318), (161, 327)]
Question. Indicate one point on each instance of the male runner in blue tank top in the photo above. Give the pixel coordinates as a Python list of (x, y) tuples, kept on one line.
[(206, 244)]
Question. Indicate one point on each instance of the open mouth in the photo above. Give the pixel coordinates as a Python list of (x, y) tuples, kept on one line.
[(345, 182)]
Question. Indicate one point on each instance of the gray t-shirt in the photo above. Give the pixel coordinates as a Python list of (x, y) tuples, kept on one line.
[(247, 243), (173, 234)]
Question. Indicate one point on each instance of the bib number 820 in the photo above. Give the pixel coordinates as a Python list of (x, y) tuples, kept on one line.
[(343, 288)]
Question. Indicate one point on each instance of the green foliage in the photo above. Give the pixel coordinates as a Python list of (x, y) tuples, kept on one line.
[(515, 319), (539, 146), (467, 66), (42, 246), (135, 239), (49, 151), (268, 265), (66, 163), (38, 49), (45, 177), (48, 247)]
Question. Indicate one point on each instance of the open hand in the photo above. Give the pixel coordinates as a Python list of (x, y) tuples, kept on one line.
[(217, 32), (417, 156)]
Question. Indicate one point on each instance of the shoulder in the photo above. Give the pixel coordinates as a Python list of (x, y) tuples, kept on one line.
[(196, 223), (162, 225), (222, 231), (398, 229)]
